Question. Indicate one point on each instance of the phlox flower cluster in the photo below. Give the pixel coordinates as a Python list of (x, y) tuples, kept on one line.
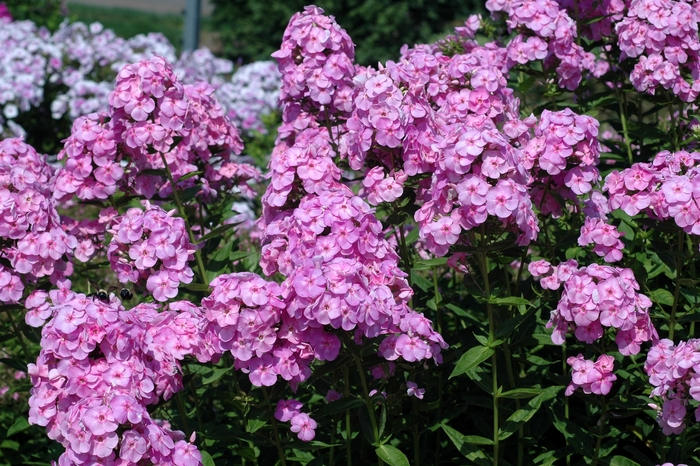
[(664, 35), (605, 237), (563, 157), (595, 19), (316, 62), (549, 34), (301, 423), (5, 15), (591, 377), (33, 240), (89, 233), (87, 58), (153, 117), (340, 272), (668, 187), (99, 369), (253, 91), (594, 298), (461, 123), (674, 371), (151, 247), (92, 56), (28, 62)]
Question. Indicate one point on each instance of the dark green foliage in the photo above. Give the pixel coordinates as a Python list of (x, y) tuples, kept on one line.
[(47, 13), (252, 30)]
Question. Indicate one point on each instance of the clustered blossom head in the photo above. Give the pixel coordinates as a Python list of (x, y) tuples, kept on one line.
[(341, 274), (563, 157), (99, 368), (151, 247), (591, 377), (302, 424), (152, 118), (664, 35), (28, 61), (605, 237), (595, 18), (316, 61), (548, 34), (254, 91), (668, 187), (674, 371), (34, 242), (594, 298)]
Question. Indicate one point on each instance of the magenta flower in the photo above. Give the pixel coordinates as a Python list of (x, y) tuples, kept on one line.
[(304, 427)]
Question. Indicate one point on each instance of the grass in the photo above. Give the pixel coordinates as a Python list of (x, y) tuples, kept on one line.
[(129, 23)]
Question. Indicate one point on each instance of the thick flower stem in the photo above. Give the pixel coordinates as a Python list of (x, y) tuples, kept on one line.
[(17, 332), (181, 210), (275, 432), (677, 290), (483, 265), (348, 425), (601, 426), (368, 402)]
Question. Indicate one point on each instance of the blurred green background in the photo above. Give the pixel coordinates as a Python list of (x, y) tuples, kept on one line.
[(249, 30)]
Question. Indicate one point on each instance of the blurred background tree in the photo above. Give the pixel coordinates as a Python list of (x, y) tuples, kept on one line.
[(47, 13), (251, 30)]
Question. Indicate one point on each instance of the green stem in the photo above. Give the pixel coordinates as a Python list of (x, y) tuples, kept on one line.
[(348, 426), (436, 293), (17, 332), (183, 413), (677, 291), (275, 432), (565, 369), (483, 265), (181, 211), (601, 426), (368, 401)]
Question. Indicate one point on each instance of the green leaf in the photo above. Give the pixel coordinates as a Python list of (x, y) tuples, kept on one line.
[(577, 437), (429, 263), (207, 460), (619, 461), (662, 296), (392, 456), (220, 230), (215, 375), (196, 287), (521, 393), (525, 413), (188, 176), (14, 363), (19, 425), (338, 406), (460, 441), (238, 255), (420, 281), (509, 301), (471, 359), (255, 425)]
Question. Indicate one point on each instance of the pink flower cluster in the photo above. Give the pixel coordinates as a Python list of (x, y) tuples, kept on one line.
[(34, 241), (595, 19), (668, 187), (596, 297), (302, 424), (592, 377), (563, 157), (340, 271), (674, 371), (151, 246), (664, 35), (99, 368), (152, 115), (316, 62), (550, 35), (605, 237)]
